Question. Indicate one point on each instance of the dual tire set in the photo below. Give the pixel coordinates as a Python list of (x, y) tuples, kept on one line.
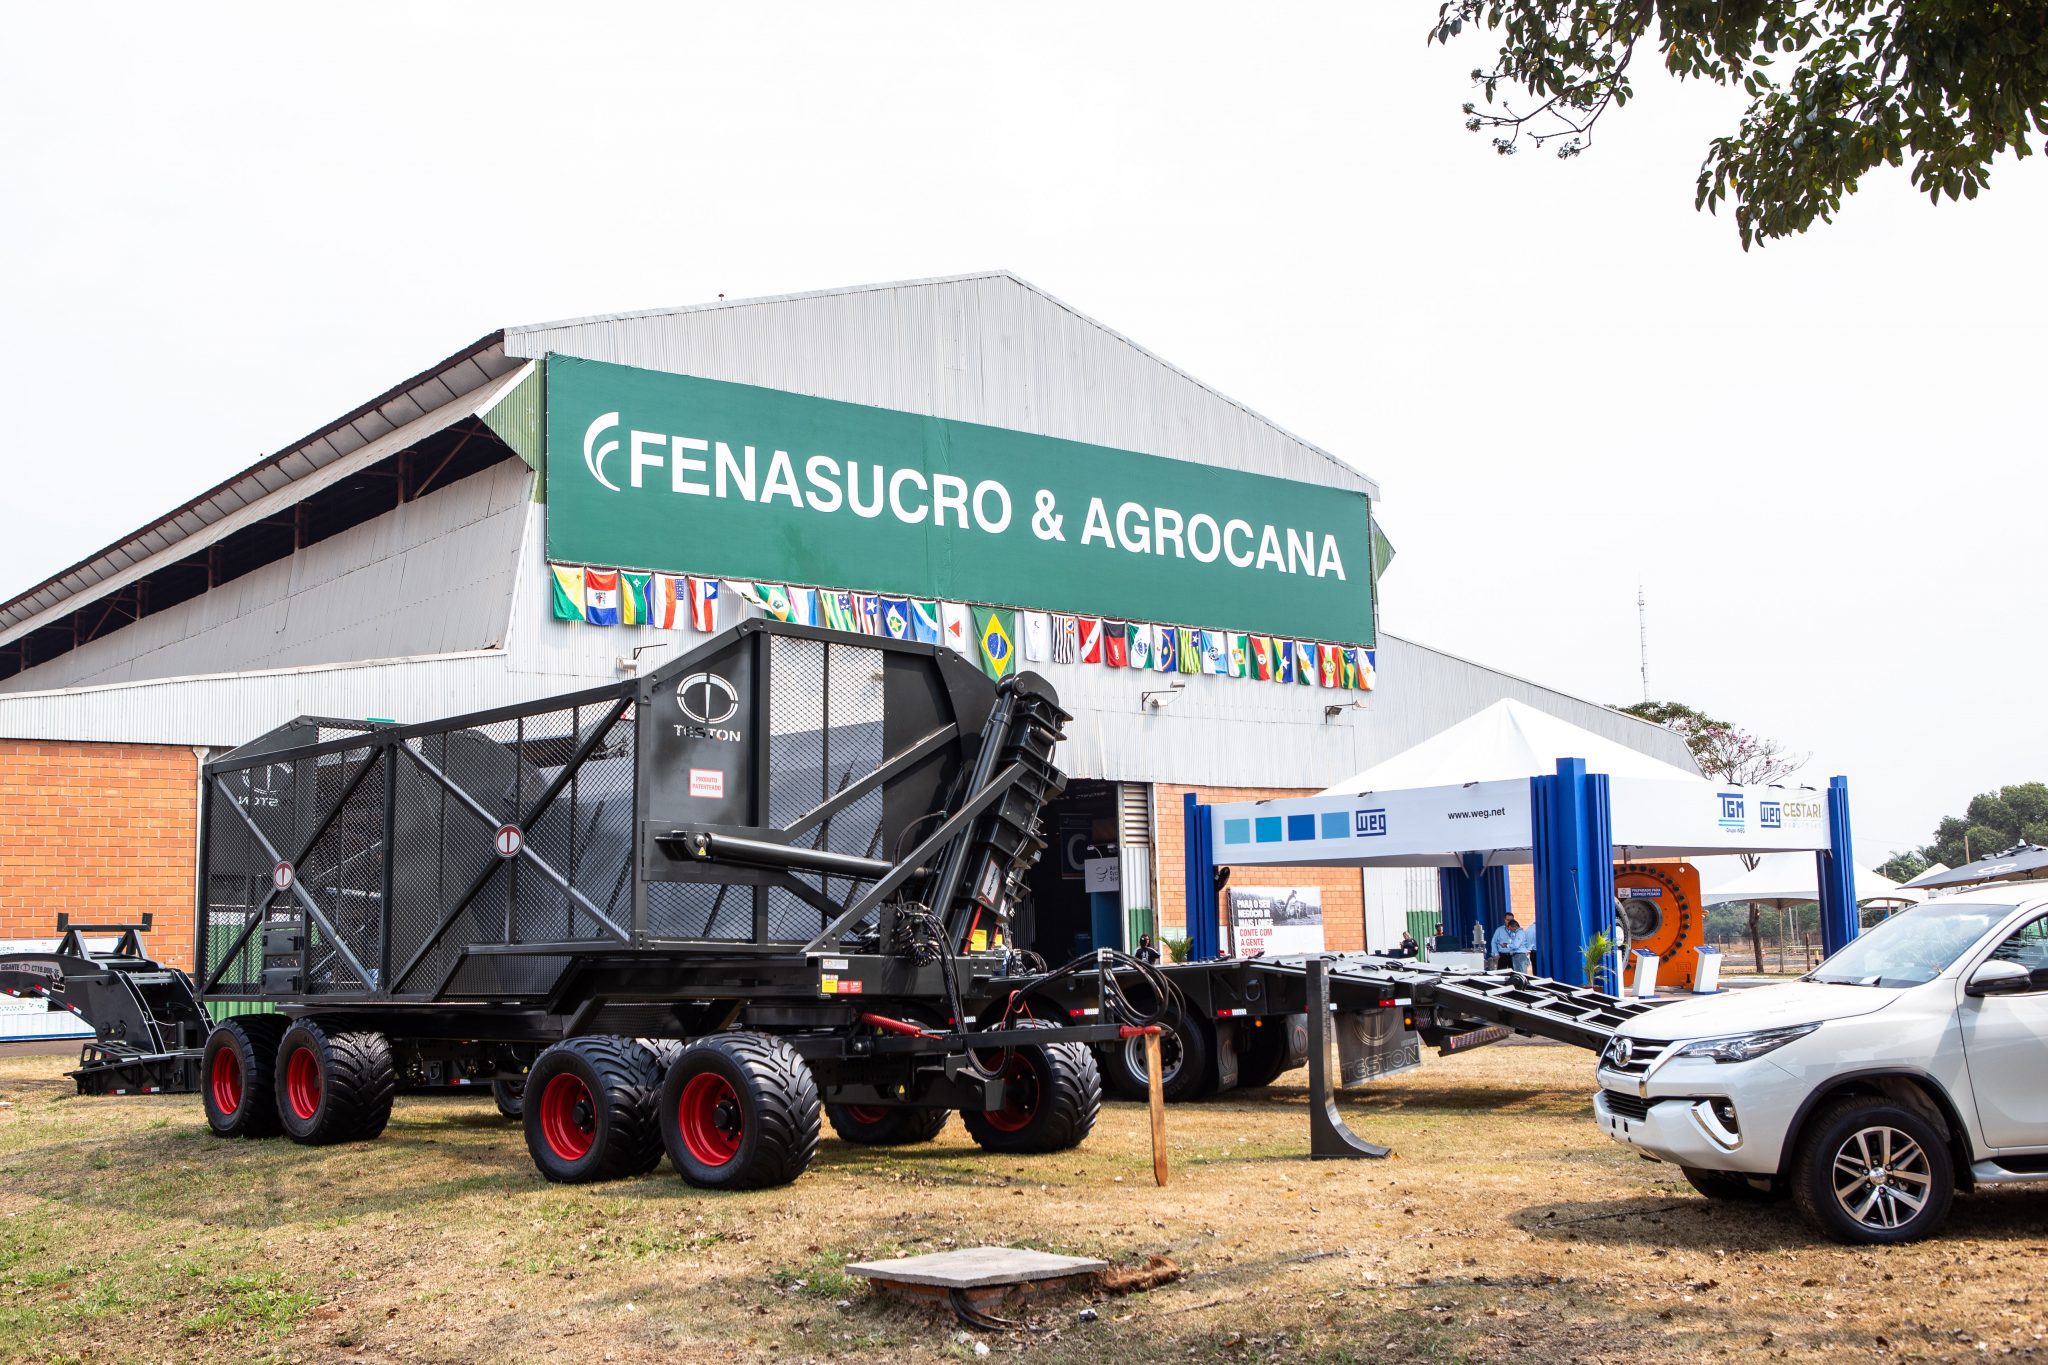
[(731, 1111)]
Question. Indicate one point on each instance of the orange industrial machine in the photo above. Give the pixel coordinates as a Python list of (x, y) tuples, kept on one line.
[(1660, 904)]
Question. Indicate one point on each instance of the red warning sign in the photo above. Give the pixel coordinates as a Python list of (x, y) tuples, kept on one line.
[(509, 840), (281, 876)]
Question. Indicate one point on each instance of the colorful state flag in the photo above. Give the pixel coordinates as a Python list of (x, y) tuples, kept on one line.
[(867, 612), (956, 627), (1116, 644), (601, 596), (924, 622), (1166, 651), (838, 610), (895, 617), (1262, 658), (704, 604), (1091, 639), (803, 606), (1304, 663), (771, 599), (1283, 656), (1364, 667), (996, 637), (1066, 640), (1347, 671), (1330, 667), (1215, 648), (667, 598), (1240, 656), (635, 607), (1037, 630), (1141, 644), (568, 592), (1190, 649)]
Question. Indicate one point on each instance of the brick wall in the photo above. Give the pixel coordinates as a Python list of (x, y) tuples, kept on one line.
[(103, 831), (1343, 897)]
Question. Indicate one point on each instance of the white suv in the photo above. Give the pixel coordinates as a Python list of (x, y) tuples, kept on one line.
[(1913, 1061)]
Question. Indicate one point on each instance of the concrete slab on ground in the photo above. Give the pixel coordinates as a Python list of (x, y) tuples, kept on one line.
[(977, 1267)]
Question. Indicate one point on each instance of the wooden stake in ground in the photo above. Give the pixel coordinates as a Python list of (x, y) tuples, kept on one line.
[(1156, 1090)]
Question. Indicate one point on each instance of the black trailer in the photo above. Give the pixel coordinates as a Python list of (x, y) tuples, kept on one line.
[(687, 909)]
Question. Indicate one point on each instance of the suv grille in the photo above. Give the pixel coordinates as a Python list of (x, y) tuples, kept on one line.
[(1626, 1106), (1631, 1056)]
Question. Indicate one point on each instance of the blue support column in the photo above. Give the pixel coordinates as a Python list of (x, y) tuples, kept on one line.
[(1199, 857), (1838, 918), (1459, 897), (1574, 867), (1494, 901)]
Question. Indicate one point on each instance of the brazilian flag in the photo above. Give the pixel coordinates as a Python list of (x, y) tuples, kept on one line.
[(995, 633)]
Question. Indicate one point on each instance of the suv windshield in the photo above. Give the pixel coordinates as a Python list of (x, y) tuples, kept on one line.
[(1913, 947)]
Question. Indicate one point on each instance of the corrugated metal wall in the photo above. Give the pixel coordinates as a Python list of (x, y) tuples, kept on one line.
[(432, 577)]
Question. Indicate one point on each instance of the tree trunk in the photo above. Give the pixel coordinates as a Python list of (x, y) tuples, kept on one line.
[(1756, 934)]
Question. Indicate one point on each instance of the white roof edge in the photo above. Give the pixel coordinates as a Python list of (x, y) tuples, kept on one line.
[(241, 675), (1526, 682), (1371, 485)]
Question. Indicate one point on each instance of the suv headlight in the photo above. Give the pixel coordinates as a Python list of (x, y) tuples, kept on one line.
[(1742, 1047)]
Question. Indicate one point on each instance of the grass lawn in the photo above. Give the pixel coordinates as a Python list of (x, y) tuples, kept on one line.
[(1505, 1228)]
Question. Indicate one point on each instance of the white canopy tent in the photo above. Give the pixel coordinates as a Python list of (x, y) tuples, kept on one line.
[(1794, 877), (1509, 739)]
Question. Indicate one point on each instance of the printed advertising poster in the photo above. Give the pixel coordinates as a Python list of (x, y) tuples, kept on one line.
[(1276, 920)]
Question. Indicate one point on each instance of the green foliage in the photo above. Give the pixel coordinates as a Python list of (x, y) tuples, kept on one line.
[(1176, 948), (1903, 867), (1837, 88), (1993, 821), (1596, 955)]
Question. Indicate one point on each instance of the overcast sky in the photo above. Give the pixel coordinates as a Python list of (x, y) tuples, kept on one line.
[(224, 228)]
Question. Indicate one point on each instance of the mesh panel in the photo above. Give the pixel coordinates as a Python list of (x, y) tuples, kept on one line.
[(343, 873), (237, 885), (700, 910)]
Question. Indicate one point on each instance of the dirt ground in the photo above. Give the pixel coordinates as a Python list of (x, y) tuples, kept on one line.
[(1505, 1228)]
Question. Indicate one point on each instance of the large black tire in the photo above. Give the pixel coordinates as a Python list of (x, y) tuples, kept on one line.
[(1907, 1172), (510, 1093), (1731, 1186), (1262, 1054), (1184, 1052), (333, 1085), (1053, 1093), (238, 1076), (589, 1110), (739, 1111), (885, 1125)]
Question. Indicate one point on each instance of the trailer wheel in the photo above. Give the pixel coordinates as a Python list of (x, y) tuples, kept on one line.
[(739, 1111), (589, 1110), (238, 1075), (1263, 1055), (1052, 1093), (1184, 1050), (509, 1092), (885, 1125), (333, 1086)]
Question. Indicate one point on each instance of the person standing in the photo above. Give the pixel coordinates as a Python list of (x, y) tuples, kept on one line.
[(1146, 952), (1513, 943)]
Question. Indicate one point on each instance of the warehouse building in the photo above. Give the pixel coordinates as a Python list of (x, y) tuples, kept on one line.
[(968, 440)]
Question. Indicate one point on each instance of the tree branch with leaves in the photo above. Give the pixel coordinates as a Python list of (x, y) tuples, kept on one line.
[(1837, 88)]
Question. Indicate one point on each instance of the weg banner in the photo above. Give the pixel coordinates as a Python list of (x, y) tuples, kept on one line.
[(684, 475)]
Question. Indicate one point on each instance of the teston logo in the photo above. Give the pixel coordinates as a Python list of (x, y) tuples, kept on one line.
[(1731, 812), (1367, 823), (594, 454), (708, 701)]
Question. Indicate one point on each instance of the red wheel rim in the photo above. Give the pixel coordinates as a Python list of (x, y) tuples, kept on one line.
[(1020, 1097), (227, 1081), (302, 1083), (709, 1116), (866, 1113), (568, 1117)]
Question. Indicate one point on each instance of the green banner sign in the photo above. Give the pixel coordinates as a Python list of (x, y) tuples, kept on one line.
[(674, 473)]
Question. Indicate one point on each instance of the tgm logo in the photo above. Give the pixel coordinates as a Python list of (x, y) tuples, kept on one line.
[(593, 453), (1367, 823), (1731, 811), (709, 701), (1770, 815)]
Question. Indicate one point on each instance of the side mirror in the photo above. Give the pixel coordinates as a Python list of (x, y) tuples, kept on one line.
[(1998, 977)]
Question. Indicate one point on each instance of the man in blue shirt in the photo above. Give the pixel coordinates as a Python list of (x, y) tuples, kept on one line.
[(1513, 944)]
